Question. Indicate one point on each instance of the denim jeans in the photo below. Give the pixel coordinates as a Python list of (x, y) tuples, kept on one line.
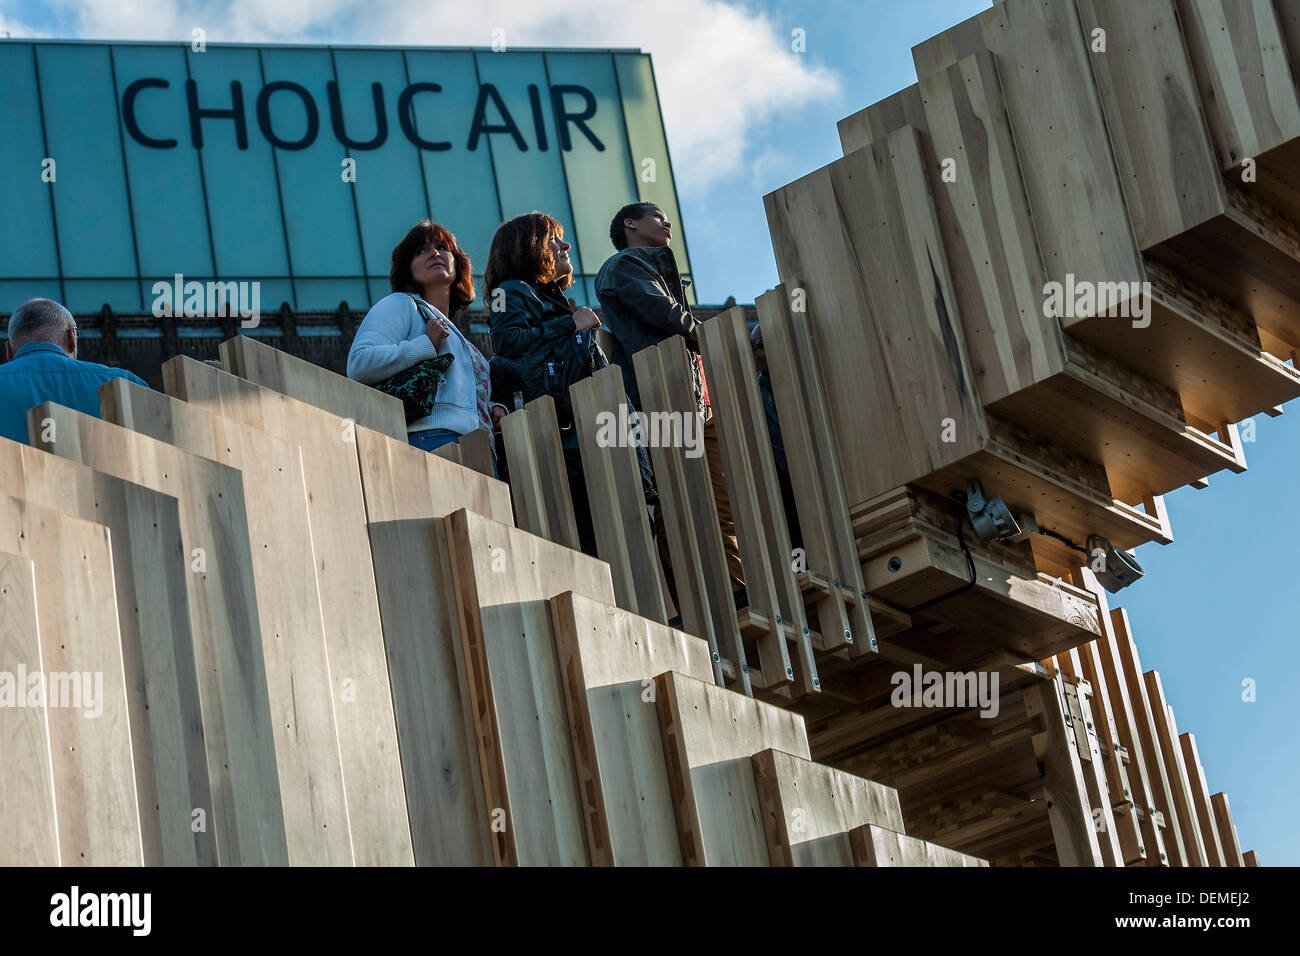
[(430, 438)]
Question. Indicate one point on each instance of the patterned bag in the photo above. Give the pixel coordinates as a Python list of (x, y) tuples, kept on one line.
[(417, 386)]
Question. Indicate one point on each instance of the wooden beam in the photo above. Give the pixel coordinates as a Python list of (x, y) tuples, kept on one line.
[(539, 476), (1214, 849), (1179, 785), (1227, 830), (1067, 797)]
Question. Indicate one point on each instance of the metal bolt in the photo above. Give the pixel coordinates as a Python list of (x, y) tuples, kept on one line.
[(805, 629), (862, 593), (895, 564), (848, 635), (716, 658), (817, 683), (789, 672), (837, 582), (874, 645), (745, 668), (778, 619)]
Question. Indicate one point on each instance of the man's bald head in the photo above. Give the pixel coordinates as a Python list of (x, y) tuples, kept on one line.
[(42, 320)]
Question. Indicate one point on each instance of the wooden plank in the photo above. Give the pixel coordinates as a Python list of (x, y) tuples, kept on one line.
[(1227, 830), (755, 497), (400, 482), (1094, 770), (885, 324), (607, 659), (1078, 209), (299, 379), (288, 608), (809, 809), (614, 489), (904, 108), (710, 735), (1158, 774), (476, 452), (30, 835), (349, 604), (997, 270), (815, 473), (879, 846), (149, 573), (503, 578), (246, 816), (435, 730), (1247, 91), (1067, 797), (1250, 858), (407, 493), (1158, 134), (1180, 787), (539, 478), (83, 683), (685, 487), (1214, 850)]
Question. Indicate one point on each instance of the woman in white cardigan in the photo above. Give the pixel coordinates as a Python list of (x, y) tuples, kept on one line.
[(432, 281)]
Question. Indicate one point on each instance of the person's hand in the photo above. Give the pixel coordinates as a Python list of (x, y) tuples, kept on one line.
[(436, 329), (498, 412), (584, 318)]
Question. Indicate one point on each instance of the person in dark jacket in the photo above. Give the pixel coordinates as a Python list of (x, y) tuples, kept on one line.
[(544, 341), (643, 299)]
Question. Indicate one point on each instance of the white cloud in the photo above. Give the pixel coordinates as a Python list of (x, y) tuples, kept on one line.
[(723, 72)]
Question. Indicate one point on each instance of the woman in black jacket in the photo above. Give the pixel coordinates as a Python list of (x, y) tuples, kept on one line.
[(547, 341)]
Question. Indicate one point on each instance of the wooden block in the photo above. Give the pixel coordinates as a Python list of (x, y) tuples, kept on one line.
[(1042, 56), (883, 324), (1179, 785), (476, 452), (614, 488), (1227, 830), (709, 736), (1214, 850), (997, 270), (30, 835), (288, 608), (607, 659), (440, 766), (367, 727), (503, 578), (539, 478), (1250, 858), (400, 481), (685, 488), (407, 493), (150, 575), (1067, 798), (247, 816), (904, 108), (815, 474), (79, 658), (809, 809), (755, 497), (879, 846), (1247, 91), (1148, 94), (301, 380)]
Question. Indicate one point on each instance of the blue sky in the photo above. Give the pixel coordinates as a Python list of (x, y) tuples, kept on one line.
[(1216, 607)]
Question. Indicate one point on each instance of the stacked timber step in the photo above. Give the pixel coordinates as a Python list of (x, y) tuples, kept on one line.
[(1062, 264), (313, 644)]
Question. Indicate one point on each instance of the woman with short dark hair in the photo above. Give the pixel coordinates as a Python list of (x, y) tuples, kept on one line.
[(432, 282)]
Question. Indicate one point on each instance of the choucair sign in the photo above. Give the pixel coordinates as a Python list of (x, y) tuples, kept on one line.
[(572, 109)]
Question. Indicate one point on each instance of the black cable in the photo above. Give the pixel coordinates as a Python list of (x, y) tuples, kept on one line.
[(1062, 538)]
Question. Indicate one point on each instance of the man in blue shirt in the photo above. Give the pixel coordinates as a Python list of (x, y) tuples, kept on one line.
[(42, 366)]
